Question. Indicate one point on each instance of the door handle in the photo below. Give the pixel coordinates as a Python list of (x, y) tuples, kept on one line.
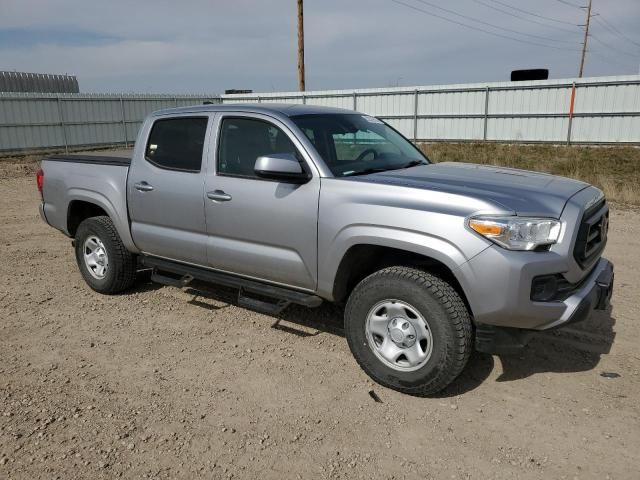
[(219, 196), (143, 186)]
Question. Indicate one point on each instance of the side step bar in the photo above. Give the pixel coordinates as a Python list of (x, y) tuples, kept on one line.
[(261, 305), (282, 295), (180, 282)]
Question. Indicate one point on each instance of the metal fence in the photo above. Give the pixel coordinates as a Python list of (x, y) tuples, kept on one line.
[(31, 122), (604, 110)]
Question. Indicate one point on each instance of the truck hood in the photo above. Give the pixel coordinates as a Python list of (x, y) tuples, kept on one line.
[(523, 192)]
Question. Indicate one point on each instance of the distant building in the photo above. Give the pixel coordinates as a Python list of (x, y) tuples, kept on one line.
[(38, 82), (232, 91)]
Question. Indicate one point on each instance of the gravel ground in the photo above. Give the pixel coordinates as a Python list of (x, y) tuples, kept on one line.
[(168, 383)]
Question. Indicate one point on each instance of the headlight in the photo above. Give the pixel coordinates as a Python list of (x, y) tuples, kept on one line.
[(517, 233)]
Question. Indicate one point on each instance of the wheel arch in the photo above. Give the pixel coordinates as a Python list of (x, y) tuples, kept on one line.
[(361, 260), (80, 210), (85, 204)]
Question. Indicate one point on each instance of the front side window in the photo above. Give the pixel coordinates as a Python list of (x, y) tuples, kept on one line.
[(243, 140), (177, 143), (355, 144)]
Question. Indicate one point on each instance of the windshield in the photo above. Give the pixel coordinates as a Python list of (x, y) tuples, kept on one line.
[(355, 144)]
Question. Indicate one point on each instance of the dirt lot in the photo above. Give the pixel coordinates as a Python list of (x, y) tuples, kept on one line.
[(164, 383)]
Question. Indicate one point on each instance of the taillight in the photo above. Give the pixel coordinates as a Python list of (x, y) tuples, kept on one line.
[(40, 181)]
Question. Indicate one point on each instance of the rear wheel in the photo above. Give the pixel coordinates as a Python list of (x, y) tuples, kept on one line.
[(409, 330), (105, 263)]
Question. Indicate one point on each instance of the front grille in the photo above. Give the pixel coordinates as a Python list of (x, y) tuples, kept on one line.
[(592, 234)]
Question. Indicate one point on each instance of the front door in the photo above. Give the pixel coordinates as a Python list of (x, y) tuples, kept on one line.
[(165, 190), (259, 228)]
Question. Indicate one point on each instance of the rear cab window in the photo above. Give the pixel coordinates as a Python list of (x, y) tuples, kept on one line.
[(177, 143)]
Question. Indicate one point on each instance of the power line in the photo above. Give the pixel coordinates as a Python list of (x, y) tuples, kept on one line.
[(602, 42), (602, 21), (531, 20), (610, 60), (498, 27), (570, 4), (472, 27), (532, 14)]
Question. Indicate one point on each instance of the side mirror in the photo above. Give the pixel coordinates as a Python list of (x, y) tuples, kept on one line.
[(280, 166)]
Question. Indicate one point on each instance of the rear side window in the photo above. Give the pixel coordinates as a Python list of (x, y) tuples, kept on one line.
[(177, 143)]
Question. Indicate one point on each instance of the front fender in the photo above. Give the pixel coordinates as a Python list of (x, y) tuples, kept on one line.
[(431, 246)]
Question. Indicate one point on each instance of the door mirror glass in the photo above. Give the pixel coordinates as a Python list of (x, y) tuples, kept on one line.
[(280, 166)]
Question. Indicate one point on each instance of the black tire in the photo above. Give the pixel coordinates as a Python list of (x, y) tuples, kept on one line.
[(121, 271), (444, 311)]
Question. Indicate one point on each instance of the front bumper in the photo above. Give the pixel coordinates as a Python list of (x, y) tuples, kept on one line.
[(498, 282), (595, 294)]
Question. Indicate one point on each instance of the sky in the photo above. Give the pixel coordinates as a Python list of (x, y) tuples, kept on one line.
[(198, 46)]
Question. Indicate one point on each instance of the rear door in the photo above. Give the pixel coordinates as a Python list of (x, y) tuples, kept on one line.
[(260, 228), (165, 189)]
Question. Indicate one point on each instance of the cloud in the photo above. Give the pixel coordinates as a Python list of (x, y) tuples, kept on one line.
[(207, 46)]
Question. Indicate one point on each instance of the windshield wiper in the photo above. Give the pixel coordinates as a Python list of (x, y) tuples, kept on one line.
[(366, 171), (414, 163)]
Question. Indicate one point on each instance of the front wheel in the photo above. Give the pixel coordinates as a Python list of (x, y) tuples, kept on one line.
[(105, 263), (409, 330)]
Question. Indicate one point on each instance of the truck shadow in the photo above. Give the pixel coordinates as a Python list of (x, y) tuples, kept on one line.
[(576, 348)]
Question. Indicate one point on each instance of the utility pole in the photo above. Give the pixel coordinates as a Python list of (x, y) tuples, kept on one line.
[(586, 36), (301, 85)]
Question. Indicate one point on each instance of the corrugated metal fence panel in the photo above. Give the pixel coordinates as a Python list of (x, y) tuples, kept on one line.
[(607, 109), (611, 98), (449, 129), (40, 121), (622, 99), (614, 129), (527, 129), (530, 101), (386, 105), (450, 103), (331, 101)]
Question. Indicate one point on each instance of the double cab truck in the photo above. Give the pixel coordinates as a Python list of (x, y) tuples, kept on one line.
[(304, 204)]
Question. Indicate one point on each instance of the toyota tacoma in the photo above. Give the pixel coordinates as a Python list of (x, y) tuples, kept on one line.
[(304, 204)]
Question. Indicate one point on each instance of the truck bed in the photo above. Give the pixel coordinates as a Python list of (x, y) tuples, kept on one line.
[(97, 178)]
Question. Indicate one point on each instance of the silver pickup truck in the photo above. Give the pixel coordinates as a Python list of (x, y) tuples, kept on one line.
[(297, 203)]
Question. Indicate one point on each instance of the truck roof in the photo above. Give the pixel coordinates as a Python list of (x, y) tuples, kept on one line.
[(286, 109)]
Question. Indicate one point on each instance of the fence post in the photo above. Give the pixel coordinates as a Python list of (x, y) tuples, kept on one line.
[(175, 101), (62, 124), (486, 113), (124, 123), (415, 116), (355, 101), (571, 104)]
